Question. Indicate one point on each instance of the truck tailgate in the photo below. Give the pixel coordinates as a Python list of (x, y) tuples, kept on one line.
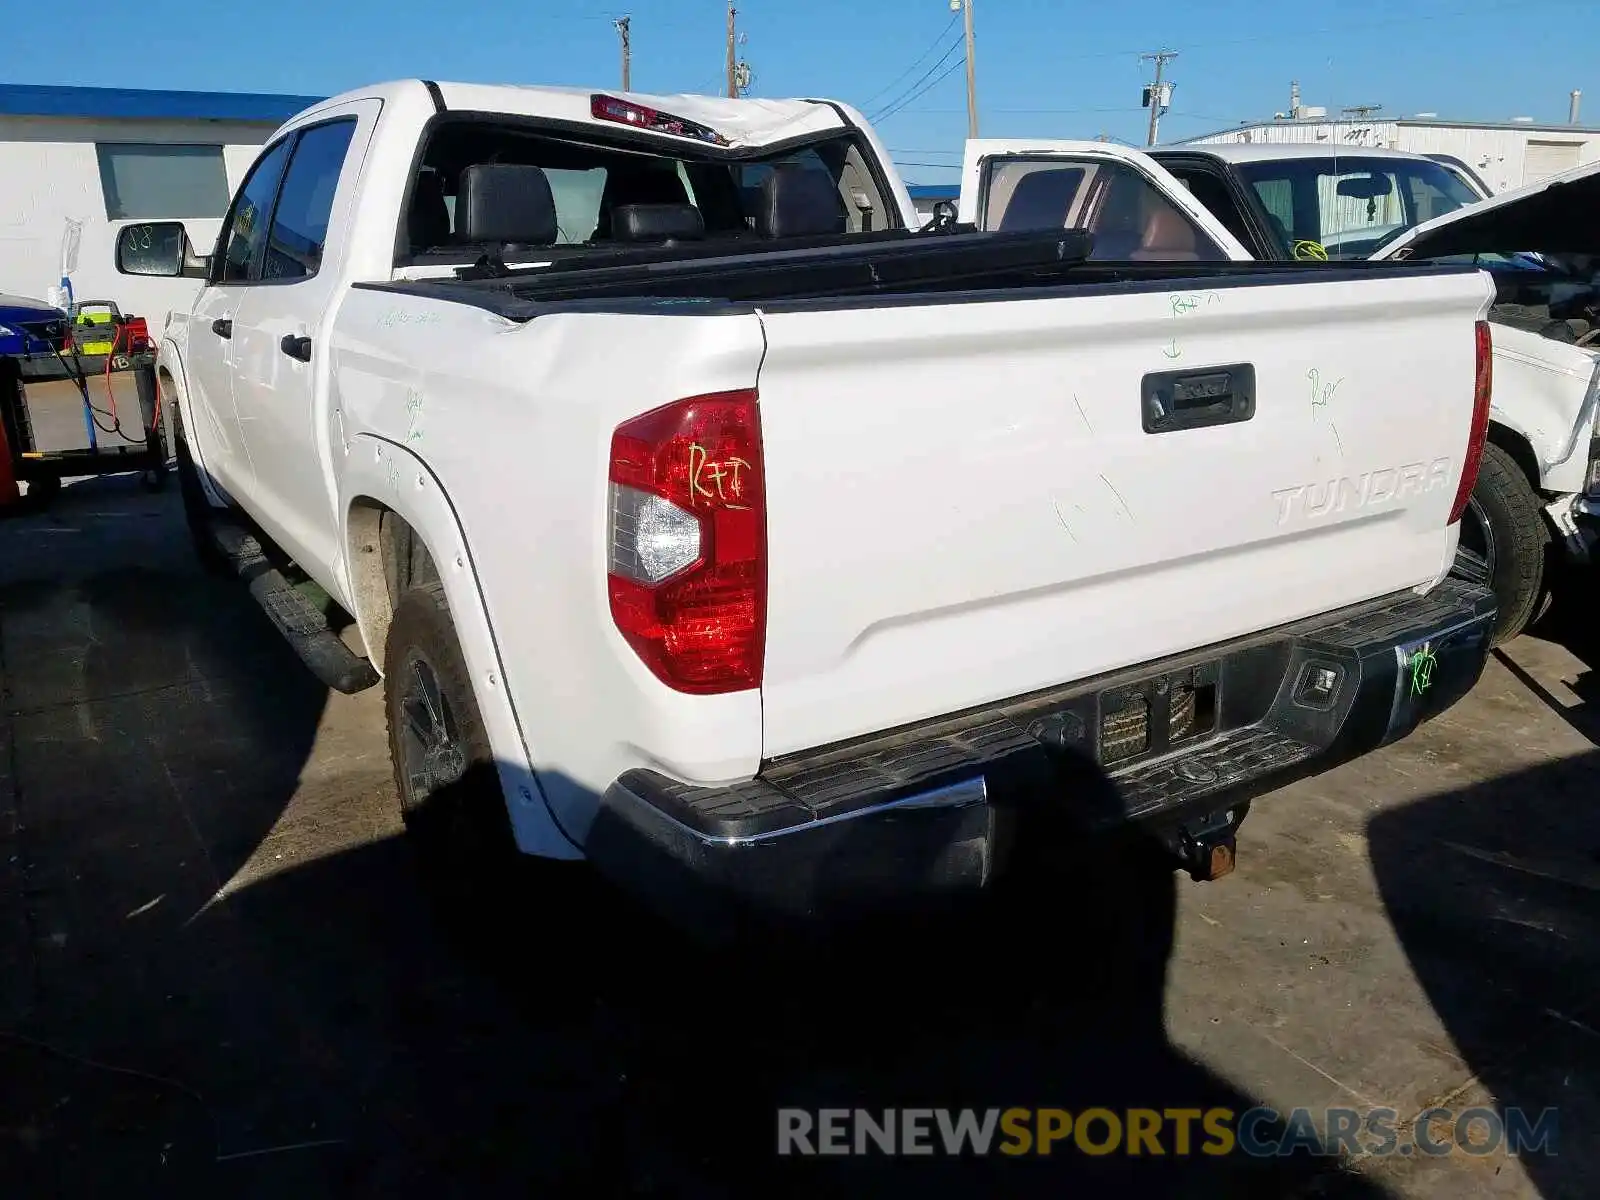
[(970, 500)]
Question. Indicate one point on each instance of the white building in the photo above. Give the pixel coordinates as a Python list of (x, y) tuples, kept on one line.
[(107, 157), (1503, 155)]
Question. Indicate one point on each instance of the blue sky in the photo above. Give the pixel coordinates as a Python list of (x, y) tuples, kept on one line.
[(1046, 68)]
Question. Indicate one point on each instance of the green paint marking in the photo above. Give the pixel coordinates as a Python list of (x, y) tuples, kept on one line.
[(414, 406), (1422, 663)]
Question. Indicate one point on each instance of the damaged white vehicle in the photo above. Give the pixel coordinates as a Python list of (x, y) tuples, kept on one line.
[(1533, 508), (1535, 504), (1540, 484)]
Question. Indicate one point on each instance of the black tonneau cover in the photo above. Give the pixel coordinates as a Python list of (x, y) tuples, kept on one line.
[(903, 265), (824, 267)]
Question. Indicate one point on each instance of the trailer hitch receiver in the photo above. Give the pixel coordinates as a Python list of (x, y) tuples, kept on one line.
[(1207, 847)]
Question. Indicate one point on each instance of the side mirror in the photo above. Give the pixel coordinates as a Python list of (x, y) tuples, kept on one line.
[(158, 248), (943, 217)]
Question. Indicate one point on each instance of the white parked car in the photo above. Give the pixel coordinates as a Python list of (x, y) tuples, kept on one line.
[(701, 518)]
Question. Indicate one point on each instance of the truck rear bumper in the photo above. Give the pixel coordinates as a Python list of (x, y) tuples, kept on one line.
[(930, 811)]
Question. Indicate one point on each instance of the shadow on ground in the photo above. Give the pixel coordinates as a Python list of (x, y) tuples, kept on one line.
[(327, 1031), (1494, 892)]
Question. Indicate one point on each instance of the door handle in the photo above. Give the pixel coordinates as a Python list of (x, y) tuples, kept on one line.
[(222, 327), (1173, 400), (296, 347)]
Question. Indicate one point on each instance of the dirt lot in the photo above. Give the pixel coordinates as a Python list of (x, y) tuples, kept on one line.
[(222, 977)]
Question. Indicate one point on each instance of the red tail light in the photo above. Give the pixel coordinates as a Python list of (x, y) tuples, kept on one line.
[(1482, 390), (686, 567)]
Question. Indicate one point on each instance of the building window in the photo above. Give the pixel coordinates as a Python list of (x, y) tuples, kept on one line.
[(154, 182)]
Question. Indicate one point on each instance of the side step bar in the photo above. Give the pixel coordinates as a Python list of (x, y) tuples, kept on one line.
[(302, 624)]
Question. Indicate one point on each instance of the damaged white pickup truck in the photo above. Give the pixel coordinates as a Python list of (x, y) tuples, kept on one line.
[(1536, 507), (702, 519)]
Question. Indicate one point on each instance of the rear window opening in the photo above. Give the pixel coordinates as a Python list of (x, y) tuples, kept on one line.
[(632, 197)]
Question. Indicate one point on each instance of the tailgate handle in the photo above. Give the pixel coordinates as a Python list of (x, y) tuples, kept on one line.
[(1173, 400)]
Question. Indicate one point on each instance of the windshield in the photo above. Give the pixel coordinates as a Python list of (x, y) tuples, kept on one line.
[(1347, 207)]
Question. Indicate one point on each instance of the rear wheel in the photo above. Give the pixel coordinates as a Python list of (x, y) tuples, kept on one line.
[(1504, 543), (444, 771)]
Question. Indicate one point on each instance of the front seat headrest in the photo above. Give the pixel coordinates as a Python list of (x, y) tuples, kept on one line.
[(799, 202), (1041, 199), (657, 223), (505, 203), (636, 184)]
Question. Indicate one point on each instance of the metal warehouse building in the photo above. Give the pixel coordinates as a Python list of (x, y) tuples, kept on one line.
[(105, 157), (1504, 155)]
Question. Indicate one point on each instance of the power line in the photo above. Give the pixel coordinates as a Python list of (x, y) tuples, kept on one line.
[(920, 88), (900, 99), (924, 58), (949, 71)]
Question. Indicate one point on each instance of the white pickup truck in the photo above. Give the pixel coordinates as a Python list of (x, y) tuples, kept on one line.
[(710, 523), (1537, 501)]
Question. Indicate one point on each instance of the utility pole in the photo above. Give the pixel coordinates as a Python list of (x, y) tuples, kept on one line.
[(624, 25), (972, 66), (733, 72), (1361, 111), (1157, 94)]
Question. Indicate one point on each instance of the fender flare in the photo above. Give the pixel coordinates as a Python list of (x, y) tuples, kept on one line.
[(1518, 430), (378, 474), (169, 362)]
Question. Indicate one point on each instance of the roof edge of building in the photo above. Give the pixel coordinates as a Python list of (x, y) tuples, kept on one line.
[(1418, 122), (105, 103)]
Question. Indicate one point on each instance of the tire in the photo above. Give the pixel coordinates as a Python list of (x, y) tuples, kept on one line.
[(1505, 543), (197, 510), (450, 795)]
